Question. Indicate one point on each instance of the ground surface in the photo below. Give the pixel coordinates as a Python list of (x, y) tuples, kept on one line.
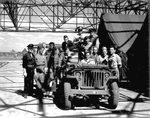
[(13, 104)]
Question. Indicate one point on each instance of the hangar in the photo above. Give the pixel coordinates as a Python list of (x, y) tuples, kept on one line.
[(128, 17)]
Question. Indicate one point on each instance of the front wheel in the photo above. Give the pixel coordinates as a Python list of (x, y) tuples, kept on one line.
[(59, 97), (114, 95)]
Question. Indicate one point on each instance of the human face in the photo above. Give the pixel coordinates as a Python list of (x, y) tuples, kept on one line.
[(66, 39), (51, 46), (88, 40), (104, 50), (41, 51), (88, 55), (112, 50), (80, 32), (95, 50), (30, 50), (44, 45)]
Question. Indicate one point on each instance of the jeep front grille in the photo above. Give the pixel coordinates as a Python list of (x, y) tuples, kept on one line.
[(93, 78)]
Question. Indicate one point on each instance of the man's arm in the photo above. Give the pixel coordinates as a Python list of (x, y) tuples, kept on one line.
[(119, 61), (24, 65), (46, 65)]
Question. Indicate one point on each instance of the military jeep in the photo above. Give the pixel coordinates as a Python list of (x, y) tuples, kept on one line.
[(86, 85)]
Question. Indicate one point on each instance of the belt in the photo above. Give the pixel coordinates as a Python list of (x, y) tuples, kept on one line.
[(41, 65), (30, 66)]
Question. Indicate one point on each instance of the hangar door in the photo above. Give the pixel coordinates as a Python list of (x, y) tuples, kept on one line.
[(129, 33)]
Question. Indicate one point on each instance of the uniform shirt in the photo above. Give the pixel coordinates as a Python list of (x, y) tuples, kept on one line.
[(50, 57), (102, 59), (78, 38), (95, 57), (88, 46), (66, 45), (44, 52), (28, 60), (41, 62), (88, 61), (95, 40), (114, 60), (93, 37)]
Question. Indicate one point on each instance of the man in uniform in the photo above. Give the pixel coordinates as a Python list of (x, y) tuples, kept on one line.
[(50, 55), (45, 48), (78, 42), (40, 71), (114, 60), (66, 44), (94, 38), (95, 54), (28, 70), (79, 37), (103, 57)]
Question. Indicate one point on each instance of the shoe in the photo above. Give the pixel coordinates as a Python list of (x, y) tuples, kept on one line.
[(30, 94), (25, 95), (40, 112), (51, 95)]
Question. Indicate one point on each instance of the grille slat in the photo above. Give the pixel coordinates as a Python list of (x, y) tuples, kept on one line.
[(93, 78)]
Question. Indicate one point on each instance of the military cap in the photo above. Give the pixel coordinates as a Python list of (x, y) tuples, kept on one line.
[(51, 43), (30, 46), (65, 36), (79, 29)]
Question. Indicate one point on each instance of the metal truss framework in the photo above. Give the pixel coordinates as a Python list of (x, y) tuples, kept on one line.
[(62, 15)]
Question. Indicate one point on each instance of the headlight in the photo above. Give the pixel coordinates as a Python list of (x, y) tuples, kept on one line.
[(77, 75), (107, 74)]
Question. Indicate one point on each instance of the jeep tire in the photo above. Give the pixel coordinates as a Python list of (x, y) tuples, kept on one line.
[(114, 95), (59, 97)]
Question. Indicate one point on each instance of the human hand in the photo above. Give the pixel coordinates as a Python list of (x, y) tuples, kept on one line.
[(45, 70), (24, 73)]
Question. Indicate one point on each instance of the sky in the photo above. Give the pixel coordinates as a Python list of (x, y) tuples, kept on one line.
[(19, 40)]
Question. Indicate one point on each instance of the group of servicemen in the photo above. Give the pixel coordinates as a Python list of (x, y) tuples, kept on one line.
[(40, 65), (91, 51)]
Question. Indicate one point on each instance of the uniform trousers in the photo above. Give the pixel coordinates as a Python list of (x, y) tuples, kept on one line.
[(28, 81)]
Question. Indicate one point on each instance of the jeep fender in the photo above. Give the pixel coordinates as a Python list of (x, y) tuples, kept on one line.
[(112, 79), (72, 80)]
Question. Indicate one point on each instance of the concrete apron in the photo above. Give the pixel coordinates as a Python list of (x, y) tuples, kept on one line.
[(13, 104)]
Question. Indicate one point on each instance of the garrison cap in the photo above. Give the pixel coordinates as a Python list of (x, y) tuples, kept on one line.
[(78, 29), (30, 46), (65, 36)]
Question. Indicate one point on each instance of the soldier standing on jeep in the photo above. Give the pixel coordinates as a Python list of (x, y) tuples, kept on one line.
[(79, 37), (78, 42), (94, 38)]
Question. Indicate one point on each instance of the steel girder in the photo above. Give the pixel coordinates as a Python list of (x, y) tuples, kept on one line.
[(62, 15)]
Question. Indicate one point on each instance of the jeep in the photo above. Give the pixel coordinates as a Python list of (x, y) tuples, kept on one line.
[(86, 85)]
